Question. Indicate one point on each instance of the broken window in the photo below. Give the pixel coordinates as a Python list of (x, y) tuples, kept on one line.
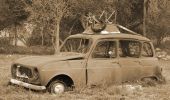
[(147, 50), (78, 45), (105, 49), (129, 48)]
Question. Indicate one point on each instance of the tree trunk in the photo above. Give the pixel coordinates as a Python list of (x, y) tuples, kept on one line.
[(159, 41), (144, 18), (57, 44), (15, 36), (42, 37), (71, 29)]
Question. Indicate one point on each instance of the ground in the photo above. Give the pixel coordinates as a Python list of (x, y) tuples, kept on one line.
[(121, 92)]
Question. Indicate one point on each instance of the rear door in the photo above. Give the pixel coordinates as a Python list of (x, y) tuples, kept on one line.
[(148, 60), (129, 53), (103, 66)]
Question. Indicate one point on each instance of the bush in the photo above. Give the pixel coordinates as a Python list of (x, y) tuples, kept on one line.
[(5, 41), (38, 50)]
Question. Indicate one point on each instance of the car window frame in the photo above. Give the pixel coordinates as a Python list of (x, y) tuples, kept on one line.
[(97, 41), (90, 44), (141, 44), (152, 48)]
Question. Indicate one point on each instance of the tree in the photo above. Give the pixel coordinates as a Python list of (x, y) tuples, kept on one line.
[(13, 13), (130, 14), (3, 13), (60, 8), (158, 20), (86, 8), (47, 15), (144, 17)]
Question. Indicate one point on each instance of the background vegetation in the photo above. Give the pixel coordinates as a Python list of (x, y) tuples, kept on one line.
[(45, 23)]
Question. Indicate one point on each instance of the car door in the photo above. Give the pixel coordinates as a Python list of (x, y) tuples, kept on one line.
[(103, 66), (129, 53), (148, 60)]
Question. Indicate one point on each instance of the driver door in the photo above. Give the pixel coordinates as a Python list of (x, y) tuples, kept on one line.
[(102, 66)]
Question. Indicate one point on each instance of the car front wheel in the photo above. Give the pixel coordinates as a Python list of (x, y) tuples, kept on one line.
[(57, 87)]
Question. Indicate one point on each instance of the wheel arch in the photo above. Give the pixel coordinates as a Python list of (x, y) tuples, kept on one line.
[(153, 77), (64, 78)]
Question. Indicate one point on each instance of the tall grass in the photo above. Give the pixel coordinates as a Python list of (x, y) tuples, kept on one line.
[(103, 92)]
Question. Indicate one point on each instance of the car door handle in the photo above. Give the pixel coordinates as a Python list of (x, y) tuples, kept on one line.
[(137, 61), (115, 62)]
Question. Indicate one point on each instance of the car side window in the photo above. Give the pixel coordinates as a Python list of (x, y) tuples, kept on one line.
[(129, 48), (147, 50), (105, 49)]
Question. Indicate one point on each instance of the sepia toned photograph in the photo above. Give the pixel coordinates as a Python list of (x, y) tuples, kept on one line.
[(84, 49)]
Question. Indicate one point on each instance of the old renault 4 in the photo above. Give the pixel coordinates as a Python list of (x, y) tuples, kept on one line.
[(90, 58)]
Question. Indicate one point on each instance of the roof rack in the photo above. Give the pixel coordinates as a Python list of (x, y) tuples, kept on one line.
[(128, 30), (108, 29), (99, 26)]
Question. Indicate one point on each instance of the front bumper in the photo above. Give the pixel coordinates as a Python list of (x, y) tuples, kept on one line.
[(27, 85)]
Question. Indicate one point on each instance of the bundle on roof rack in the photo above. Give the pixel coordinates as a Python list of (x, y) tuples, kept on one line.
[(99, 26), (109, 29)]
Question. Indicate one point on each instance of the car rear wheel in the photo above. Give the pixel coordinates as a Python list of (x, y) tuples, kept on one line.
[(57, 87), (149, 81)]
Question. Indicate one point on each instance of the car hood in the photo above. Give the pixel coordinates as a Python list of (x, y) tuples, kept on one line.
[(36, 61)]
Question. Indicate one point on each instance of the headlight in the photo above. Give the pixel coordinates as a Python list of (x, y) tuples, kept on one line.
[(35, 74), (36, 77)]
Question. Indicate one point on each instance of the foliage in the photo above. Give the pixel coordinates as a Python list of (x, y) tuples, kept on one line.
[(67, 17), (47, 15), (84, 9), (158, 20), (12, 12), (35, 50), (3, 13), (130, 14)]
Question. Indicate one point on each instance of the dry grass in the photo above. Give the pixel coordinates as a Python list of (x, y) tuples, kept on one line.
[(158, 92)]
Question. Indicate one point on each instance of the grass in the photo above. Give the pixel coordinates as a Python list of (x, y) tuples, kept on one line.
[(165, 46), (120, 92)]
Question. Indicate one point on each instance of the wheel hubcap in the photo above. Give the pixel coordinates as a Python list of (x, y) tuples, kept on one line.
[(59, 88)]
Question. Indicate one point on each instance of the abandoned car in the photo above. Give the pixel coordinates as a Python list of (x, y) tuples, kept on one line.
[(90, 58)]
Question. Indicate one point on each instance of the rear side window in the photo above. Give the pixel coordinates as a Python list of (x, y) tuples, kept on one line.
[(147, 50), (105, 49), (129, 48)]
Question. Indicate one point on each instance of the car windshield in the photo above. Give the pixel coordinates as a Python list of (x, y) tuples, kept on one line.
[(78, 45)]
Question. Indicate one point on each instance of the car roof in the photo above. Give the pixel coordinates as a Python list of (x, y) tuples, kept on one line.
[(111, 35), (111, 31)]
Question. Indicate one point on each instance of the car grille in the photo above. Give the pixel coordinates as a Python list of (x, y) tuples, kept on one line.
[(19, 71)]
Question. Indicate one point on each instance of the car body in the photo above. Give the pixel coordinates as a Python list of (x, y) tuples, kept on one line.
[(89, 59)]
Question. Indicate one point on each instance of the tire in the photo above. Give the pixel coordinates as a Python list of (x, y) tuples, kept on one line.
[(149, 81), (57, 87)]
